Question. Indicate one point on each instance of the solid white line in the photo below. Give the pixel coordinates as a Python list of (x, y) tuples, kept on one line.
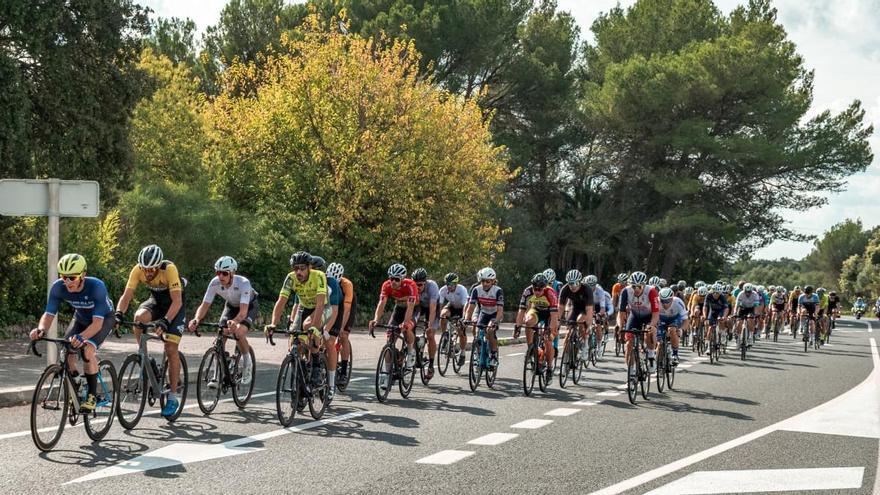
[(445, 457), (562, 411), (672, 467), (622, 386), (764, 480), (515, 354), (15, 390), (701, 358), (532, 424), (584, 403), (360, 378), (684, 366), (493, 438), (610, 393)]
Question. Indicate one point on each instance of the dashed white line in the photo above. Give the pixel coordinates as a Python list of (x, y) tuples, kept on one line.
[(360, 378), (610, 393), (585, 402), (493, 439), (532, 424), (446, 457), (562, 411)]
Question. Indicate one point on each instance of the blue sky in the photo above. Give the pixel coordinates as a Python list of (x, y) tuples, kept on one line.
[(839, 39)]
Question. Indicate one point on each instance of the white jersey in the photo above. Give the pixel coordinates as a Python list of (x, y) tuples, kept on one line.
[(675, 310), (239, 291), (457, 298)]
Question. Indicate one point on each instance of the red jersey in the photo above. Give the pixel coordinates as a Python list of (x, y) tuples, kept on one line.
[(403, 295)]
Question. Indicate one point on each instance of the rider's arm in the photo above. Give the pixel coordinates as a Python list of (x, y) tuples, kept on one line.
[(124, 300), (279, 308), (175, 289), (318, 314), (347, 298), (202, 311), (380, 307)]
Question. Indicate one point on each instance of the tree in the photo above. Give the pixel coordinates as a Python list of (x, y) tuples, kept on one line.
[(346, 151), (860, 274), (843, 240), (173, 38)]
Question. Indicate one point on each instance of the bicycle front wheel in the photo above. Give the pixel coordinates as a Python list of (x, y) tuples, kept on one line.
[(320, 387), (444, 353), (632, 378), (567, 362), (287, 391), (530, 370), (383, 373), (670, 373), (49, 408), (475, 371), (241, 393), (132, 395), (208, 382), (407, 378), (98, 422), (661, 372)]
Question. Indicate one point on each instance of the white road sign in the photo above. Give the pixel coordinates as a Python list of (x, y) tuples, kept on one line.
[(30, 197)]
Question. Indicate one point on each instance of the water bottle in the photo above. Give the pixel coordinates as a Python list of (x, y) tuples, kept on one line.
[(155, 367)]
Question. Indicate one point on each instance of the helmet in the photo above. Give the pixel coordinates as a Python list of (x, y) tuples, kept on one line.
[(335, 270), (717, 287), (748, 287), (550, 274), (780, 289), (655, 281), (419, 275), (664, 283), (703, 290), (682, 284), (573, 277), (638, 278), (451, 278), (591, 280), (319, 263), (832, 293), (760, 289), (226, 264), (539, 280), (397, 271), (699, 283), (300, 258), (820, 290), (728, 288), (486, 274), (150, 256), (622, 277), (797, 287), (71, 264), (666, 293), (808, 289), (688, 291), (771, 288)]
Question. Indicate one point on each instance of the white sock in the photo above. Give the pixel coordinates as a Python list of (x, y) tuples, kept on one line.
[(331, 377)]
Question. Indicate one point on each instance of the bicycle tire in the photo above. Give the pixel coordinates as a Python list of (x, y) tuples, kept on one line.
[(386, 355), (133, 384), (90, 419), (670, 372), (319, 397), (474, 369), (566, 364), (407, 379), (632, 378), (241, 399), (444, 353), (206, 397), (181, 390), (50, 373), (530, 370), (287, 391)]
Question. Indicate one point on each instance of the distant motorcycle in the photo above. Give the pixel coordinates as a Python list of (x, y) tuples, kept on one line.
[(859, 312)]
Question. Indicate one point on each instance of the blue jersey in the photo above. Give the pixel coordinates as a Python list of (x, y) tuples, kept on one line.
[(91, 302), (334, 291)]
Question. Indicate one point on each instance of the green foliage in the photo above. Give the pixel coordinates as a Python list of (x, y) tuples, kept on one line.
[(174, 39), (860, 274)]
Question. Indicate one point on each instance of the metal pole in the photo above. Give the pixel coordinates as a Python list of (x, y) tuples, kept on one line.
[(52, 257)]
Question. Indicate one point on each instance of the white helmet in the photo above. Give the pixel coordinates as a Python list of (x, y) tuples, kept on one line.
[(150, 256), (703, 291), (591, 280), (397, 271), (486, 274), (666, 293), (550, 274), (663, 282), (698, 284), (226, 264), (748, 287), (655, 281), (335, 270), (638, 278), (573, 277)]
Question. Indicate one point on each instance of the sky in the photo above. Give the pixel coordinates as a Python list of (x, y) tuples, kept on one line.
[(839, 39)]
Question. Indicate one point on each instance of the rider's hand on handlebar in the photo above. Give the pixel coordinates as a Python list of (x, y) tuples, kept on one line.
[(193, 325), (36, 334), (162, 325), (119, 316)]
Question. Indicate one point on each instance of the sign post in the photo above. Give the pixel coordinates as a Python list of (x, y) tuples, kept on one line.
[(52, 198)]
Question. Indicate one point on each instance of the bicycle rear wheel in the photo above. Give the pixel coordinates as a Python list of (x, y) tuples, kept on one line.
[(180, 391), (99, 421), (645, 385), (670, 373), (661, 372), (407, 378), (287, 391), (49, 408), (530, 370), (319, 398), (241, 393), (491, 373), (209, 373), (132, 395), (444, 353), (474, 369)]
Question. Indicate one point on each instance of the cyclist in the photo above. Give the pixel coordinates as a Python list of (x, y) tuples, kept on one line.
[(823, 311), (599, 309), (654, 282), (760, 311), (716, 309), (622, 279), (747, 304), (833, 307), (346, 317), (429, 297), (727, 291), (539, 305), (332, 324), (406, 310), (582, 306), (92, 318), (793, 308), (310, 287), (808, 305), (554, 284), (697, 302), (777, 304), (489, 297), (673, 315), (678, 289), (454, 298), (165, 307), (639, 307), (240, 310)]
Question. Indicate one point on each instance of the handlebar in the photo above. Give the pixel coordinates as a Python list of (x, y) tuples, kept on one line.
[(269, 332), (146, 327), (32, 346)]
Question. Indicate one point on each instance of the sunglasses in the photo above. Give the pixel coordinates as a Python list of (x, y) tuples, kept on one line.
[(666, 301), (637, 286), (150, 270), (395, 279), (71, 278), (574, 284), (222, 273), (301, 268)]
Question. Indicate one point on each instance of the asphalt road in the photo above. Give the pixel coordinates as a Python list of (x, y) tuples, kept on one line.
[(764, 425)]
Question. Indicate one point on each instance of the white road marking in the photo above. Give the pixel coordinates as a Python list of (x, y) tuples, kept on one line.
[(764, 480), (622, 386), (15, 390), (358, 379), (684, 366), (562, 411), (493, 438), (584, 403), (188, 452), (151, 412), (445, 457), (532, 424), (610, 393), (701, 358), (515, 354), (872, 383)]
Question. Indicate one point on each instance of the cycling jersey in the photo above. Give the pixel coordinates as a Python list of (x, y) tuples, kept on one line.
[(643, 305), (615, 290), (697, 300), (89, 303), (543, 300), (609, 304), (307, 292), (430, 293), (731, 301), (407, 292), (239, 291), (808, 301), (580, 299), (794, 298), (823, 301), (675, 311), (167, 279), (456, 298), (488, 300), (778, 299), (748, 299), (833, 301), (717, 305)]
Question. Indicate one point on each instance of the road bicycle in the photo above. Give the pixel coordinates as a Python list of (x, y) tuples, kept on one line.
[(572, 361), (302, 378), (59, 394), (449, 349), (534, 367), (480, 359), (392, 364), (665, 364), (219, 373), (637, 374), (142, 380)]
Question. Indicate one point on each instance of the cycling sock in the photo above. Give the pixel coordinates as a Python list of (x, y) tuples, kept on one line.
[(675, 352), (331, 377), (343, 366), (172, 396), (92, 381)]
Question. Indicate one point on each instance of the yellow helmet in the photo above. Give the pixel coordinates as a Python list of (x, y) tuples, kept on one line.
[(71, 264)]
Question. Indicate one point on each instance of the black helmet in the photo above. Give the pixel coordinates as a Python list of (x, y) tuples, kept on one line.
[(808, 289), (318, 263), (300, 258), (419, 275), (539, 280), (451, 278)]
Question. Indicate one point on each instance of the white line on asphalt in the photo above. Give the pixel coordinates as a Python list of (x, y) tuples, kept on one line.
[(585, 402), (515, 354), (15, 390), (622, 386), (701, 358), (562, 411), (188, 452), (764, 480), (532, 424), (493, 438), (684, 366), (872, 382), (610, 393), (445, 457), (360, 378)]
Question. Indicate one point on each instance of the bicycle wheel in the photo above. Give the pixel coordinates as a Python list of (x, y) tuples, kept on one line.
[(99, 421), (180, 391), (661, 372), (645, 385), (805, 331), (542, 376), (474, 369), (457, 352), (743, 344), (444, 354), (132, 395), (241, 394), (49, 408), (593, 348), (577, 370), (632, 377), (491, 373), (209, 373), (618, 344), (319, 398), (670, 373), (407, 378), (530, 370), (423, 364), (287, 391), (567, 362), (384, 373)]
